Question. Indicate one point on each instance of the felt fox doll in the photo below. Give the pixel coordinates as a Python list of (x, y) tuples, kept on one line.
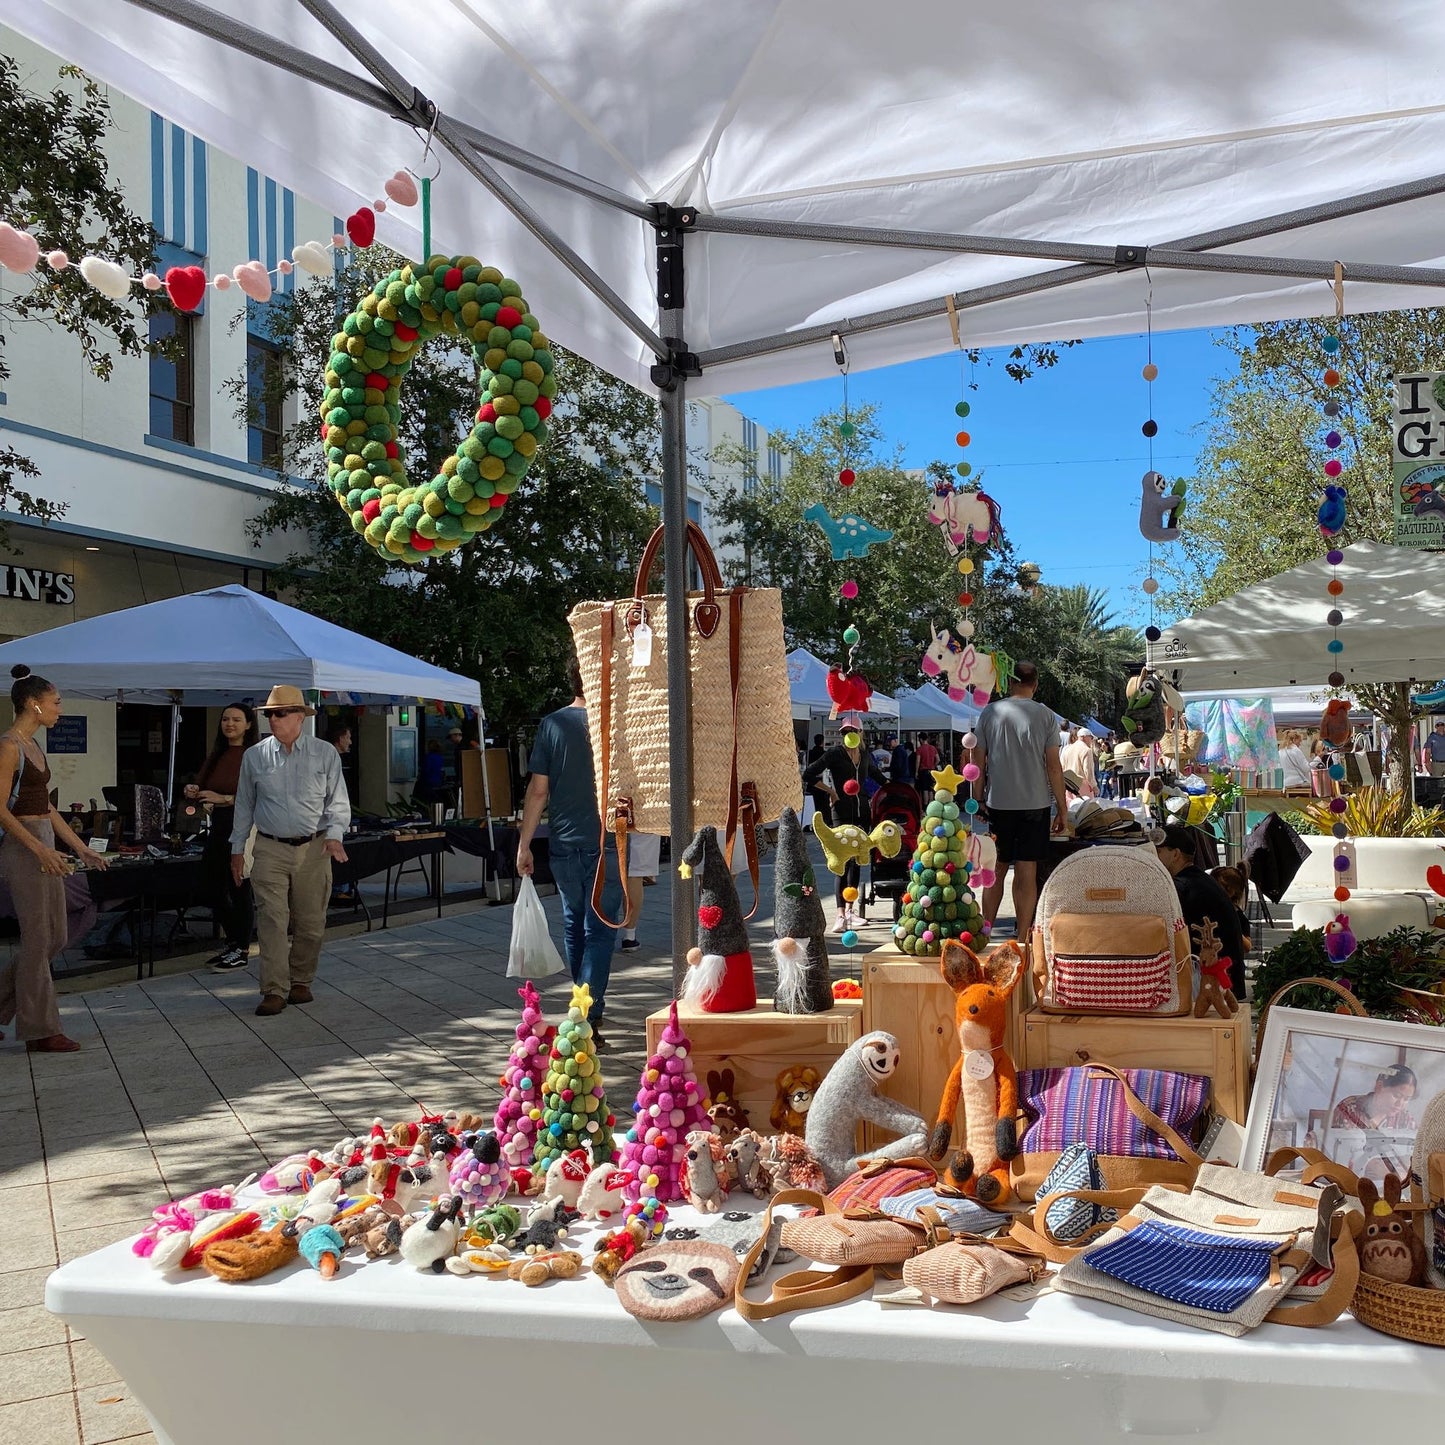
[(983, 1077)]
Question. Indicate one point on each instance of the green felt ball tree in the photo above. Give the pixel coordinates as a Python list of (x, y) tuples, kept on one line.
[(575, 1113), (939, 904)]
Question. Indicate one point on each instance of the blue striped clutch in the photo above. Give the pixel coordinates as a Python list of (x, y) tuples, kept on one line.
[(1215, 1272)]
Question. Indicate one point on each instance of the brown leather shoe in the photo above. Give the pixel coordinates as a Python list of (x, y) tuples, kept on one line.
[(272, 1003), (299, 994), (55, 1044)]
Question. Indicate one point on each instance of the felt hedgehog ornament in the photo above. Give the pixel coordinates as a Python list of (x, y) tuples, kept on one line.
[(720, 969), (805, 985)]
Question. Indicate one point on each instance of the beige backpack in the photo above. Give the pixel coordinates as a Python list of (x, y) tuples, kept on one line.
[(1109, 937)]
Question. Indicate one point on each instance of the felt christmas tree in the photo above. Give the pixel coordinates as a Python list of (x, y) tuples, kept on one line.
[(939, 903), (518, 1115), (720, 973), (574, 1103), (670, 1104), (805, 982)]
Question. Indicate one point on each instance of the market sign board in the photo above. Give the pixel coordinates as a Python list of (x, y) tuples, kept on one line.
[(1419, 458)]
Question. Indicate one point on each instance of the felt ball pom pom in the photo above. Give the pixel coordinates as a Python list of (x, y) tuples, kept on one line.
[(851, 636), (1337, 679), (970, 806), (1334, 467), (150, 281), (846, 429), (1334, 587), (1334, 556), (1339, 830), (221, 281), (1152, 634), (1155, 785), (1332, 408), (1150, 428), (285, 267), (848, 591), (1342, 894), (1150, 372), (928, 935), (964, 469), (1334, 617), (850, 895), (1337, 805), (965, 629), (851, 787), (1333, 439), (963, 438), (1337, 771), (1151, 586), (847, 477), (962, 409), (1334, 645), (1331, 377), (338, 238), (1331, 344), (851, 739), (970, 773), (1342, 864), (849, 939), (57, 260), (965, 565), (965, 599)]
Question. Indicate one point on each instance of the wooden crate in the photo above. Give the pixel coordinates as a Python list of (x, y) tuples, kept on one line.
[(758, 1045), (908, 998), (1218, 1048)]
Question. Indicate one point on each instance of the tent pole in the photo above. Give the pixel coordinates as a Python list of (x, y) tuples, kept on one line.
[(171, 760), (671, 380)]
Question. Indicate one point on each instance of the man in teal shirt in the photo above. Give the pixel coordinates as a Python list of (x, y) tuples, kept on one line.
[(563, 782)]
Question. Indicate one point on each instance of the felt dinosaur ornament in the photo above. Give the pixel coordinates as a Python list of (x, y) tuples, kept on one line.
[(1161, 508), (1214, 990), (849, 843), (983, 1078), (849, 535), (805, 984), (720, 969)]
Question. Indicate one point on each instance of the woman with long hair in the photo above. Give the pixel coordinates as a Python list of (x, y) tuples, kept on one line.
[(216, 784), (34, 868)]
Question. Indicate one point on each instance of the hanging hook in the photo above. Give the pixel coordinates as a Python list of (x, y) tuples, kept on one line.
[(840, 352), (427, 144), (1338, 286), (953, 321)]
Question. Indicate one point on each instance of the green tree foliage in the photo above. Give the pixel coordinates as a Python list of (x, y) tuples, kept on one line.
[(495, 609), (55, 183)]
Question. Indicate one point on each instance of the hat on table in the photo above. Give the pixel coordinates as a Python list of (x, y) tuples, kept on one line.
[(284, 695)]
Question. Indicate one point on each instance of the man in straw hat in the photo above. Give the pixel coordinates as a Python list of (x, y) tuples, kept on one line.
[(292, 790)]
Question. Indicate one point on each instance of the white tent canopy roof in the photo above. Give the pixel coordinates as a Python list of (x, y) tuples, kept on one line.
[(1030, 142), (926, 707), (1274, 634), (221, 645)]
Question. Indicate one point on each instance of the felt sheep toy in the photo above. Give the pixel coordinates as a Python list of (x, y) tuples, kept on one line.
[(601, 1193), (566, 1175), (847, 1096), (430, 1245)]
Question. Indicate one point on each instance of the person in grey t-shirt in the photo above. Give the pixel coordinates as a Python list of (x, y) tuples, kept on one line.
[(1018, 756)]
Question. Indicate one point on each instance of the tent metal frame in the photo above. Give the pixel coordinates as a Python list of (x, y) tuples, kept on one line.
[(479, 153)]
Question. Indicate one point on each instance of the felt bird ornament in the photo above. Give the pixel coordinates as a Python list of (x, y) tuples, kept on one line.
[(850, 691), (1332, 510), (1160, 508), (1339, 941), (849, 843), (1435, 877)]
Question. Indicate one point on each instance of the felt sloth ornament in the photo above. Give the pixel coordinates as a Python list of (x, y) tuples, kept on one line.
[(678, 1280), (1160, 508)]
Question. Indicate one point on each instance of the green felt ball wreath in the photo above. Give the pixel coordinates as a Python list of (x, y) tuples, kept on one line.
[(361, 409)]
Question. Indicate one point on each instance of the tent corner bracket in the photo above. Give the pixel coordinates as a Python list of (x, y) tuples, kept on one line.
[(680, 363), (1130, 257)]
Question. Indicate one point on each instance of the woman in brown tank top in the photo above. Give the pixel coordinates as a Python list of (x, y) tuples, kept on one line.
[(33, 868)]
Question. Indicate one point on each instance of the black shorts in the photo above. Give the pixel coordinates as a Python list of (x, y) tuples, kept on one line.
[(1020, 834)]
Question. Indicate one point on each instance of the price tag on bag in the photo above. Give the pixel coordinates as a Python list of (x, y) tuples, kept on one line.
[(642, 645)]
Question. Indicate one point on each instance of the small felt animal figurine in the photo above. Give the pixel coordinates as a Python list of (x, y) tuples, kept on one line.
[(743, 1158), (408, 1133), (720, 969), (322, 1248), (430, 1245), (967, 671), (385, 1238), (796, 1087), (601, 1196), (983, 1078), (1335, 728), (489, 1259), (168, 1236), (1331, 515), (293, 1175), (704, 1171), (1339, 940), (478, 1174), (1214, 990), (1160, 508), (415, 1184), (678, 1280), (557, 1264), (847, 1096), (790, 1164), (616, 1249), (1390, 1248), (566, 1175), (805, 983), (727, 1115), (497, 1224), (849, 535), (546, 1226), (235, 1260), (850, 691), (849, 843)]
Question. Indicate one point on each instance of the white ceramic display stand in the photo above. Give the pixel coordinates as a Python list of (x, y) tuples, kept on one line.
[(381, 1349)]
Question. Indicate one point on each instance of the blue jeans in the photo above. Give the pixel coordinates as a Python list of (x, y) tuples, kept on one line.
[(587, 941)]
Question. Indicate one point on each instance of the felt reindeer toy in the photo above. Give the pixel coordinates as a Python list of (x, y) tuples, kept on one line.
[(983, 1077), (1214, 990)]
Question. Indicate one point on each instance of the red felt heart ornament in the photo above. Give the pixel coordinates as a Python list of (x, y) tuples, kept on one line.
[(185, 285), (361, 227), (1435, 877), (709, 915)]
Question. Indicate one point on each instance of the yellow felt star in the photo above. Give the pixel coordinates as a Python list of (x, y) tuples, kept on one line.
[(582, 998), (946, 779), (684, 870)]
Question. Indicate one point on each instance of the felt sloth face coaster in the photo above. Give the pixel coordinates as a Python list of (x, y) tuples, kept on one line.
[(738, 1231), (678, 1279)]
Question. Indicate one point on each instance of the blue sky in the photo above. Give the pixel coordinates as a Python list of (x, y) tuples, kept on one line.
[(1062, 453)]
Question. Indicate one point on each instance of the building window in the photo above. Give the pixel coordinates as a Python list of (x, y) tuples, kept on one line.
[(173, 377), (263, 401), (750, 457), (775, 463)]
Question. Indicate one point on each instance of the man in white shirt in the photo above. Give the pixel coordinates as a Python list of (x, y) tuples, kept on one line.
[(1078, 758), (293, 792)]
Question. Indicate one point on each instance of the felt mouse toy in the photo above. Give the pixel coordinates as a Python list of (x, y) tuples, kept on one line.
[(743, 1158), (983, 1077), (850, 1094), (1390, 1248)]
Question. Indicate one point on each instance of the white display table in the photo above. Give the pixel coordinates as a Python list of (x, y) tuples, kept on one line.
[(386, 1351)]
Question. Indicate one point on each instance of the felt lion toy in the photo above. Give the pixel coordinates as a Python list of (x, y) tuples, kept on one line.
[(796, 1087)]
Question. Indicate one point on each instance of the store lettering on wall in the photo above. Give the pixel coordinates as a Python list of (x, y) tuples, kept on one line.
[(1419, 459), (37, 584)]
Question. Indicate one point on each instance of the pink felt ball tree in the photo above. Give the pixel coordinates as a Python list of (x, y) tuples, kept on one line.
[(519, 1114)]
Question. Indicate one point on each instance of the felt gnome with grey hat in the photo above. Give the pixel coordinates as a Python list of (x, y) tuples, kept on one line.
[(720, 973), (805, 984)]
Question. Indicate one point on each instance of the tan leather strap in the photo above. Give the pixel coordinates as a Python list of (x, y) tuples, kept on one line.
[(1041, 1240), (1317, 1167), (869, 1168), (1146, 1116), (804, 1289), (706, 613), (1345, 1229), (622, 810)]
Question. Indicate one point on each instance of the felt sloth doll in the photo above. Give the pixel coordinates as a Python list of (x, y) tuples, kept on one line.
[(1390, 1248), (678, 1280)]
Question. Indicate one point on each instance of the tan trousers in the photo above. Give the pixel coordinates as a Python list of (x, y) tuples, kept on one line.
[(27, 994), (292, 887)]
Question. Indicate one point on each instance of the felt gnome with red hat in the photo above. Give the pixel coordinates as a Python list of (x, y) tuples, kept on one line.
[(720, 976)]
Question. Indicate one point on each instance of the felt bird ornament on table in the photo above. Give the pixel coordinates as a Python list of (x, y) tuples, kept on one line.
[(1160, 508), (1339, 940), (848, 842), (850, 691), (849, 535)]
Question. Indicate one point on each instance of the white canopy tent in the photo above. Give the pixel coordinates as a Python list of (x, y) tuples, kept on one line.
[(808, 689), (925, 708), (1274, 633), (756, 193)]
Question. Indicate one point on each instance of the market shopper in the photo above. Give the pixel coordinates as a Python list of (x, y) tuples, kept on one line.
[(216, 785), (848, 769), (821, 800), (1432, 755), (563, 783), (292, 790), (1017, 754), (1201, 898), (1293, 761), (34, 869), (927, 760), (1078, 758)]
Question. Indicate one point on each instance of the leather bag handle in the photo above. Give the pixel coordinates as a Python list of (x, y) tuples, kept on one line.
[(1345, 1230), (706, 614), (1147, 1117), (803, 1289), (621, 811)]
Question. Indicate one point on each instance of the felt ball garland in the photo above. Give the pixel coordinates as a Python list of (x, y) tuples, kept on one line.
[(361, 408)]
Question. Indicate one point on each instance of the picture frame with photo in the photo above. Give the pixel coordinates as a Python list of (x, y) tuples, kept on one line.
[(1353, 1088)]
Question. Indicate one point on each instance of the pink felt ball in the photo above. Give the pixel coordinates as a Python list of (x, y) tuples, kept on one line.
[(674, 1066), (338, 238), (57, 260), (649, 1155), (851, 787), (221, 281), (151, 281), (378, 205), (567, 1096), (928, 935), (1333, 467), (666, 1100), (285, 267), (532, 1043), (678, 1118), (848, 590), (970, 740), (970, 772)]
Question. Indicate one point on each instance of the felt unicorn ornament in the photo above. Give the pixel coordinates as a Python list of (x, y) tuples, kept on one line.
[(963, 515), (968, 672)]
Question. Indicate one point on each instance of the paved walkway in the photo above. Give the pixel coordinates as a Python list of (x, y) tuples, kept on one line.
[(180, 1086)]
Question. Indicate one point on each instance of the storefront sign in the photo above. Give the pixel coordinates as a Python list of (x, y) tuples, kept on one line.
[(35, 584), (1419, 454), (69, 735)]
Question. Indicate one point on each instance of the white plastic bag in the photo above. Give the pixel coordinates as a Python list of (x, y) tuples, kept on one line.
[(532, 953)]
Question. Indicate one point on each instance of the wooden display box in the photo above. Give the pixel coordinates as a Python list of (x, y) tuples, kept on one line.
[(1215, 1047), (907, 997), (758, 1045)]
